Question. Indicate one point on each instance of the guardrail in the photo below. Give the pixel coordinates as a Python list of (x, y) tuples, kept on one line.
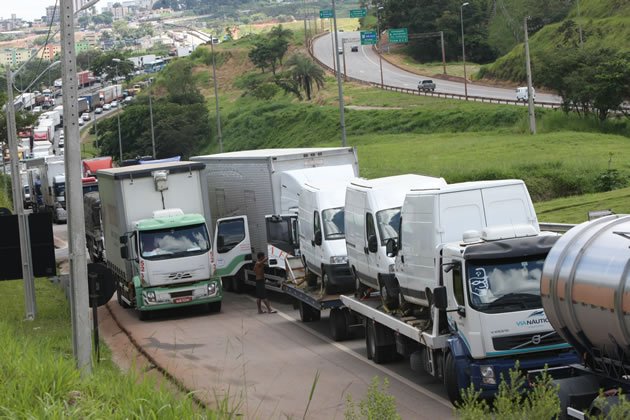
[(555, 227), (552, 105)]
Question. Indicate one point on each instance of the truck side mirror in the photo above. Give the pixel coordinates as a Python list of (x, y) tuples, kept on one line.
[(123, 239), (391, 247), (439, 298), (372, 243), (318, 238), (124, 252)]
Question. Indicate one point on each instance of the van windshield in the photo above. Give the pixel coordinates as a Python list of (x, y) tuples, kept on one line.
[(174, 242), (388, 223), (333, 220)]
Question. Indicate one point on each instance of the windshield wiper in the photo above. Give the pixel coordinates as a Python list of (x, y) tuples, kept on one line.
[(514, 298)]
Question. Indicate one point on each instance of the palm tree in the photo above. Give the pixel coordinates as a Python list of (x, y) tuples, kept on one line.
[(305, 73)]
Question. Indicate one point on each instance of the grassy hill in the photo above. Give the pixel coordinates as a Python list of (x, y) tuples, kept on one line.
[(604, 23)]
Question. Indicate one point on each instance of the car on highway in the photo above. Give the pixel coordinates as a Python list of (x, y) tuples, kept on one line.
[(426, 85), (340, 50), (81, 122), (98, 110), (61, 142), (354, 48), (86, 116), (107, 107), (114, 104)]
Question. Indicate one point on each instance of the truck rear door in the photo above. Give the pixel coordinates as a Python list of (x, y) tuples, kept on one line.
[(232, 246)]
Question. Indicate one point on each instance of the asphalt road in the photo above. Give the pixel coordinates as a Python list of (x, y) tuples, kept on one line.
[(266, 364), (366, 64)]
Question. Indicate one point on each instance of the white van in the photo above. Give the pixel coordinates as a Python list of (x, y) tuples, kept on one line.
[(431, 219), (372, 216), (521, 94), (322, 235)]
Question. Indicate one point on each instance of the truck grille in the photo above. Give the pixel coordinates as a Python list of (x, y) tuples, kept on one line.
[(526, 341), (179, 276), (181, 294)]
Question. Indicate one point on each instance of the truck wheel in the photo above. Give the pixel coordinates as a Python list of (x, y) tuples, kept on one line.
[(227, 282), (450, 379), (214, 307), (238, 282), (380, 353), (369, 340), (338, 322), (308, 313)]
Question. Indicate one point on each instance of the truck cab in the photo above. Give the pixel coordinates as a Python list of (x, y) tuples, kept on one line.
[(60, 214)]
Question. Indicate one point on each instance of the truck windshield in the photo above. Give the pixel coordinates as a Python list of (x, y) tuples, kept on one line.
[(333, 220), (60, 190), (388, 223), (505, 285), (175, 242)]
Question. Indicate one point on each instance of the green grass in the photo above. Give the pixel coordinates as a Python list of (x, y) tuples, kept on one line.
[(575, 209), (5, 192), (39, 379)]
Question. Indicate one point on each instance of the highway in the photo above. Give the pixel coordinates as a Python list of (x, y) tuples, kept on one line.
[(364, 65)]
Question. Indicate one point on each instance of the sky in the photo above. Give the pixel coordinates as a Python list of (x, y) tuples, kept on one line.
[(25, 9)]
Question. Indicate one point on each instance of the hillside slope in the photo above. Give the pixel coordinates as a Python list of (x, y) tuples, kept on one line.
[(604, 24)]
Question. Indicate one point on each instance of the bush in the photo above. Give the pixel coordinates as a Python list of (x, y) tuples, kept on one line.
[(377, 404)]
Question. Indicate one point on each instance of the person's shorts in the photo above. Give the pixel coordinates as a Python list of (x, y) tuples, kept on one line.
[(261, 292)]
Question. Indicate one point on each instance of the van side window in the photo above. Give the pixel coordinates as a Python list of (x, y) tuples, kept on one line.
[(317, 227), (458, 284), (370, 227)]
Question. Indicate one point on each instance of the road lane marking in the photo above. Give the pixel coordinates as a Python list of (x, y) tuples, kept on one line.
[(357, 356)]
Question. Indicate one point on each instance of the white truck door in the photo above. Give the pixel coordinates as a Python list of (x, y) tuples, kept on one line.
[(232, 246)]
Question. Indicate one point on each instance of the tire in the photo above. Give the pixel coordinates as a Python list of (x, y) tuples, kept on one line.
[(214, 307), (338, 322), (238, 282), (380, 353), (450, 379), (369, 339), (360, 288), (308, 313), (228, 283), (311, 278), (389, 297)]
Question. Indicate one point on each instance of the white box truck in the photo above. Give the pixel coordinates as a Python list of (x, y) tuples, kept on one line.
[(53, 187), (254, 201), (157, 244), (372, 215), (463, 300)]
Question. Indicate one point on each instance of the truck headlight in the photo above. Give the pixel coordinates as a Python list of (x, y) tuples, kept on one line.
[(339, 259), (212, 288), (150, 296), (487, 375)]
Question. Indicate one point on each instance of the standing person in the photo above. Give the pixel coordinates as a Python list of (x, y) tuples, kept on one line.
[(261, 292)]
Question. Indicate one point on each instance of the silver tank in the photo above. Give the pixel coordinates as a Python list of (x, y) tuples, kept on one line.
[(585, 287)]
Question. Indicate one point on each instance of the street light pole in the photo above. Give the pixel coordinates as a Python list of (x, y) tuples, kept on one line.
[(461, 16), (117, 60), (152, 130), (378, 40), (530, 89), (342, 118)]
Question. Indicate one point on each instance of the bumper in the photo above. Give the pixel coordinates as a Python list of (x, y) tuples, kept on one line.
[(340, 275), (156, 298), (502, 367)]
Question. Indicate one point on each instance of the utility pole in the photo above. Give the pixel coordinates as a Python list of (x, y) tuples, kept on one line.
[(151, 116), (216, 95), (530, 89), (342, 118), (461, 16), (332, 42), (443, 52), (18, 205), (79, 296)]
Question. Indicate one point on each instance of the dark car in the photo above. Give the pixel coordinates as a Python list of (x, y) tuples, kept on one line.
[(355, 48)]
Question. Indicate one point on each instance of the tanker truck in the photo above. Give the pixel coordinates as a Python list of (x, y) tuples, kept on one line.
[(585, 294), (463, 296)]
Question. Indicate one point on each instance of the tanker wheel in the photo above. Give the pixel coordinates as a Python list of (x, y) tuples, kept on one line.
[(338, 322), (450, 379)]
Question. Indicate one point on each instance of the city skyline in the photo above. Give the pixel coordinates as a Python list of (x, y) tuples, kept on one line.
[(31, 9)]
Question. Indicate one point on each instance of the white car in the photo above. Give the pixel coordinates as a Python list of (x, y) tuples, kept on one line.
[(81, 122), (86, 116), (521, 94), (107, 107), (114, 104), (98, 110), (60, 144)]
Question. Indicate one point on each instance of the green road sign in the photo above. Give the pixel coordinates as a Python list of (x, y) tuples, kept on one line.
[(398, 36), (326, 13), (358, 13), (368, 37)]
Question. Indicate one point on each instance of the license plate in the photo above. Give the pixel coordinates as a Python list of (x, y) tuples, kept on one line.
[(182, 299)]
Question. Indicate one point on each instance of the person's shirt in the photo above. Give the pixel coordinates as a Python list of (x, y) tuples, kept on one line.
[(259, 270)]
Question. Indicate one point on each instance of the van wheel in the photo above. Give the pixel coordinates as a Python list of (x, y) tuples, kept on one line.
[(450, 379), (361, 290), (311, 278)]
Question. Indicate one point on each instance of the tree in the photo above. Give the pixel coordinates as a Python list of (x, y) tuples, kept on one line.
[(305, 73), (86, 58), (262, 56), (105, 65), (180, 85)]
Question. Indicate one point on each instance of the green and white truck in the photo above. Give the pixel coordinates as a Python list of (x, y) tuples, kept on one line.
[(157, 244)]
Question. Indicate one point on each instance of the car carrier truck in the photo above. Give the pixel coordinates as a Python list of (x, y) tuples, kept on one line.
[(157, 244), (585, 294), (463, 300), (254, 198)]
